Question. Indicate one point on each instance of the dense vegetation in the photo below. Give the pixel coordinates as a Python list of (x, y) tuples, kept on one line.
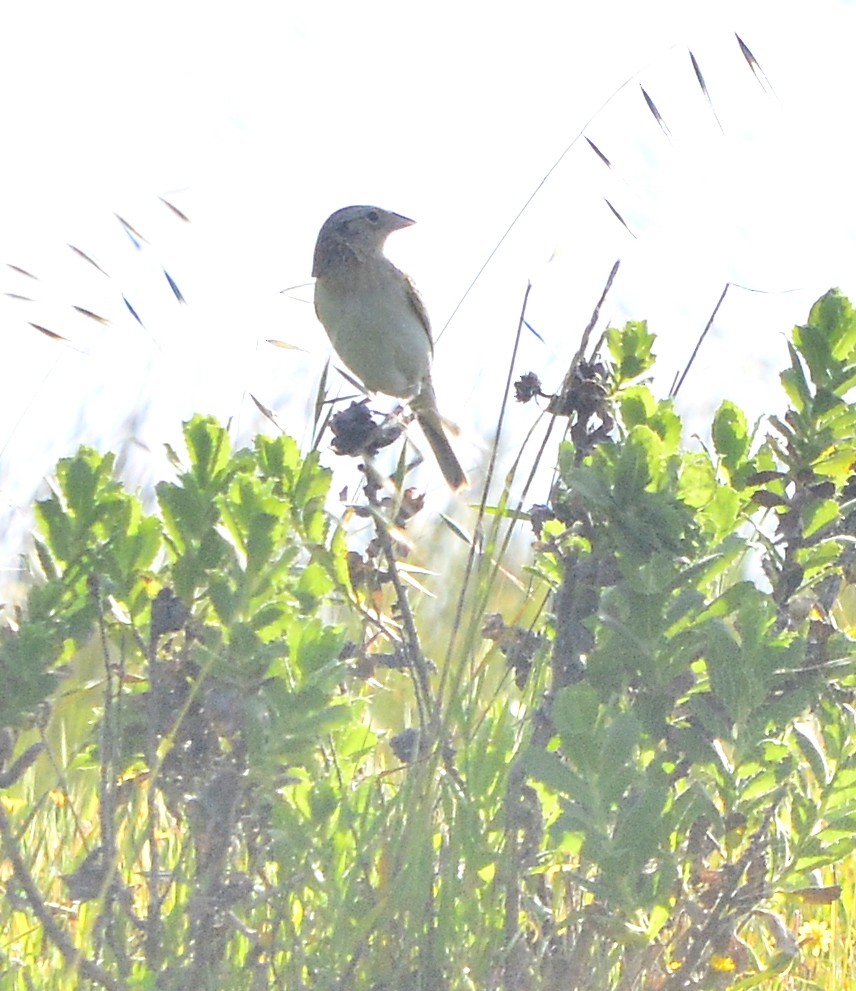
[(239, 753)]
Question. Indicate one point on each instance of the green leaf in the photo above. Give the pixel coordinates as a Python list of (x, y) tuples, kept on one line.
[(576, 709), (794, 381), (637, 405), (814, 345), (187, 510), (618, 747), (79, 477), (697, 485), (631, 349), (57, 528), (549, 769), (818, 514), (730, 436), (313, 586), (314, 647), (833, 315), (637, 464), (811, 747), (208, 447)]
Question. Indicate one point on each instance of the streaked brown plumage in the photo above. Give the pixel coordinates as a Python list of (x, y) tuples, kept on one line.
[(376, 320)]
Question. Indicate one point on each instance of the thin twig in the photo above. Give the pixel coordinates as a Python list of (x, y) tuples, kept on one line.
[(568, 381), (707, 327), (109, 736), (595, 316), (153, 913), (569, 377), (72, 956), (491, 468), (415, 657), (537, 189)]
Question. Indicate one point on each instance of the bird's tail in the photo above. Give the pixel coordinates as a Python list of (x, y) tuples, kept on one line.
[(425, 407)]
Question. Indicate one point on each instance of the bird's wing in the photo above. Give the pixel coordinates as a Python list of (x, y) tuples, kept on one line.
[(417, 304)]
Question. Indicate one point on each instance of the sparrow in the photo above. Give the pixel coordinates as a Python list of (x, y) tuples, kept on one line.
[(376, 320)]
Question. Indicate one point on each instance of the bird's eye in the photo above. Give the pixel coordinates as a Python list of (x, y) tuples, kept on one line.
[(373, 216)]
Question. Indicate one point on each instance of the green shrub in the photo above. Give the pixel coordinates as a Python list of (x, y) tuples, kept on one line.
[(620, 775)]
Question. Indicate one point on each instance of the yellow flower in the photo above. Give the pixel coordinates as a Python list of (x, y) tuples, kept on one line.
[(722, 963), (815, 937)]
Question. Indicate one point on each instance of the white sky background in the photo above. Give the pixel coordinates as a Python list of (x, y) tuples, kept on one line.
[(259, 120)]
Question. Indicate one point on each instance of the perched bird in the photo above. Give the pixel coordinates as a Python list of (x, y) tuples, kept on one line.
[(376, 320)]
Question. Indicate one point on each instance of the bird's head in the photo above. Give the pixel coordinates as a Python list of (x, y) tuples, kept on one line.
[(358, 230)]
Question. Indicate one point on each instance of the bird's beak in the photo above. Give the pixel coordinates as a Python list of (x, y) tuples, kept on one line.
[(397, 222)]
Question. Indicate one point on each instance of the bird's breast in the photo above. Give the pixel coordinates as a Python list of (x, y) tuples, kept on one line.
[(375, 330)]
